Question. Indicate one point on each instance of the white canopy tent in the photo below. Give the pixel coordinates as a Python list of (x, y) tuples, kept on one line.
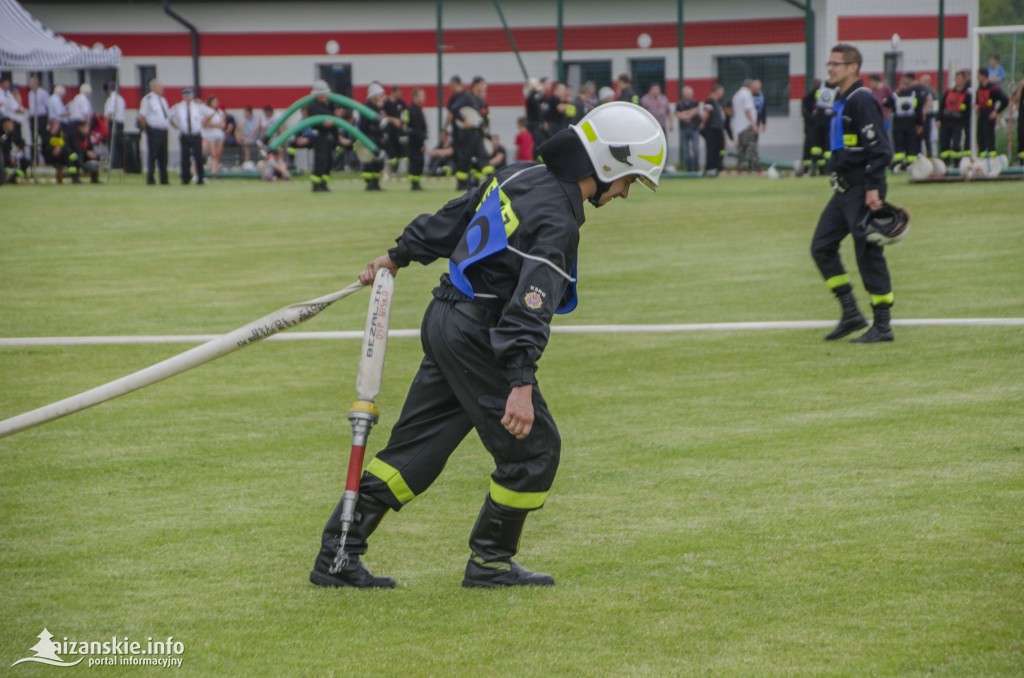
[(27, 44)]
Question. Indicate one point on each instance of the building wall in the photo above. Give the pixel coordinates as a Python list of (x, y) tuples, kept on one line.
[(267, 53)]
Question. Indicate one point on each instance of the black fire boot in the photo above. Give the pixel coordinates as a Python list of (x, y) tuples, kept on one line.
[(852, 319), (493, 542), (368, 514), (881, 330)]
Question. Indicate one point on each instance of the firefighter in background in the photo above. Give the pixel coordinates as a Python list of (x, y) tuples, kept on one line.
[(989, 102), (373, 163), (470, 121), (624, 87), (907, 107), (83, 157), (324, 137), (860, 155), (414, 126), (394, 106), (955, 120), (821, 119), (14, 161), (807, 164), (457, 89), (57, 148)]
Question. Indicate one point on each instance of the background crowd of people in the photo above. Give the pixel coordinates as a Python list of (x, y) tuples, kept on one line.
[(923, 122), (38, 127)]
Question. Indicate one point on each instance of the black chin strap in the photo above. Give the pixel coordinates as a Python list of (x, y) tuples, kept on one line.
[(602, 188)]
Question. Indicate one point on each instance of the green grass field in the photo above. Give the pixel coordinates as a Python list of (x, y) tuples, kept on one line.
[(729, 503)]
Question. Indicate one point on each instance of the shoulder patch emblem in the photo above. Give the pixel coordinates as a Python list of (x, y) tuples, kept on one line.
[(533, 300)]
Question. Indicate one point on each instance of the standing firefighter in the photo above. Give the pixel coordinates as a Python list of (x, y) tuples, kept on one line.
[(955, 120), (990, 102), (324, 139), (470, 120), (860, 154), (512, 246), (373, 163), (414, 125), (907, 104), (821, 122)]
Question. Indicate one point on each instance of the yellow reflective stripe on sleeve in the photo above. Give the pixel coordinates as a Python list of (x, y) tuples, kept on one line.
[(849, 140), (390, 475), (838, 280), (877, 299), (520, 500)]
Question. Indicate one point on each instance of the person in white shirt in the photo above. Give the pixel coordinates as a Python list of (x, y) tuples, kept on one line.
[(190, 117), (744, 127), (213, 134), (10, 103), (38, 113), (154, 118), (113, 111), (267, 120), (80, 108), (55, 104)]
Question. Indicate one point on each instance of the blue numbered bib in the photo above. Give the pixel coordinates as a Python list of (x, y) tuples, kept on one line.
[(487, 234)]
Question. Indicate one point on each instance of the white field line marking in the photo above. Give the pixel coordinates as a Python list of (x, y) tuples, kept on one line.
[(558, 329)]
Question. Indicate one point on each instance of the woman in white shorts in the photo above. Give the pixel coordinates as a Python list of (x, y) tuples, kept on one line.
[(213, 134)]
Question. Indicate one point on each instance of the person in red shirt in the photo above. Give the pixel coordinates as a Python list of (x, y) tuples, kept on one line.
[(524, 142)]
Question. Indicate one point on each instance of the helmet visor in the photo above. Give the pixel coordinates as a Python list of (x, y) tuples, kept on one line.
[(646, 181)]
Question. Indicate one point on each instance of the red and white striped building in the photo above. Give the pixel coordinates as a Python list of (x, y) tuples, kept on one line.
[(257, 53)]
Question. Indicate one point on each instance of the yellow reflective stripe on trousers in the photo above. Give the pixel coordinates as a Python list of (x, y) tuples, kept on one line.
[(520, 500), (390, 475), (838, 280), (877, 299)]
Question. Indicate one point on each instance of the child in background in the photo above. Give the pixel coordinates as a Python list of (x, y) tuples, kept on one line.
[(524, 142)]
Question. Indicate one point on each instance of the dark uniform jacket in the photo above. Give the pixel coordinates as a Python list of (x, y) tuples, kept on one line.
[(991, 98), (415, 125), (861, 151), (956, 105), (394, 109), (907, 106), (466, 99), (525, 287), (10, 142), (318, 108), (371, 128)]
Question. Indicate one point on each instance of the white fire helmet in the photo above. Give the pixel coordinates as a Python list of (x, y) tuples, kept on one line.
[(374, 90), (623, 139)]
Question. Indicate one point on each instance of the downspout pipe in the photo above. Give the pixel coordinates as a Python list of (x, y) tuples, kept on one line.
[(195, 43), (805, 5)]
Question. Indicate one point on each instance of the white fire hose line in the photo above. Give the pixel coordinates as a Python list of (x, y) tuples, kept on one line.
[(267, 328), (268, 325), (20, 342)]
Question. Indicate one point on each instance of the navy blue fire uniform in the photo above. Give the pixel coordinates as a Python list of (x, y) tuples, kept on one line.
[(860, 154), (512, 245), (414, 125)]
